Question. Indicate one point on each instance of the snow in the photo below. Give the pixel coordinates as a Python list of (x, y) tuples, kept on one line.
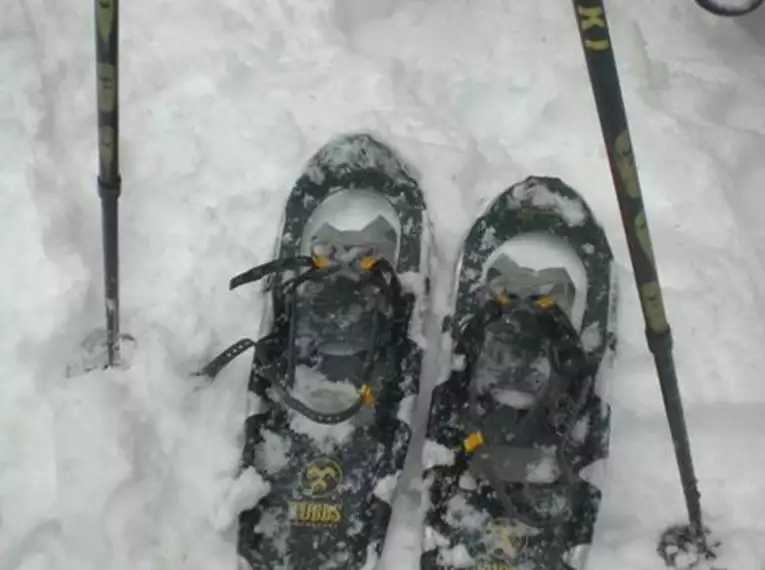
[(272, 452), (571, 210), (458, 511), (406, 409), (545, 470), (222, 105), (386, 488), (436, 454)]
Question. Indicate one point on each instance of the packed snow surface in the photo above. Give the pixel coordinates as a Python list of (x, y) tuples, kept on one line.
[(222, 104)]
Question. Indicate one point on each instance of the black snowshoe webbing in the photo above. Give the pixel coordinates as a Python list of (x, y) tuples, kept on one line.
[(494, 452), (375, 272)]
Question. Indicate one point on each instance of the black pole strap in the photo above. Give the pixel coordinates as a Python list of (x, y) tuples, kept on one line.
[(601, 66), (718, 9)]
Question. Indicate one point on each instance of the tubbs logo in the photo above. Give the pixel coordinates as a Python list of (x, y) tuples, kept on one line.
[(505, 542), (320, 479)]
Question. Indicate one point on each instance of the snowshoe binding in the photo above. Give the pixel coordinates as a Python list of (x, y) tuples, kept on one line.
[(518, 423), (336, 376)]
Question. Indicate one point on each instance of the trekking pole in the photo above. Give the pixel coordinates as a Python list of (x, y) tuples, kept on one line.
[(109, 181), (601, 67)]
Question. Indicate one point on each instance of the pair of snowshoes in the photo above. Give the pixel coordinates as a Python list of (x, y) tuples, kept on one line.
[(514, 425)]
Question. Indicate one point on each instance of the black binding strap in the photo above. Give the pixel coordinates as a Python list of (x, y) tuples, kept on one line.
[(277, 266), (554, 324), (380, 274), (226, 357), (239, 347)]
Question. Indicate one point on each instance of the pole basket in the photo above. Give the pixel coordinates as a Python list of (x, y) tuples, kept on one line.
[(93, 353), (685, 547)]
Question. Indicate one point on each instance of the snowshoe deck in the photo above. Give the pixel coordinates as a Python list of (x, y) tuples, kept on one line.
[(336, 376), (505, 468)]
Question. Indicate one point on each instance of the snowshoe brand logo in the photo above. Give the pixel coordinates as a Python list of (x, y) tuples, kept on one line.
[(308, 513), (505, 542), (319, 480)]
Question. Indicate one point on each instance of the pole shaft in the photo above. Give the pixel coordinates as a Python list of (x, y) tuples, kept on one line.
[(604, 78), (109, 181)]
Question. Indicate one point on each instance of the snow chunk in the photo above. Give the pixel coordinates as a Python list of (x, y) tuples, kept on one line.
[(434, 454), (255, 404), (358, 153), (545, 470), (245, 492), (591, 337), (513, 398), (406, 409), (489, 239), (386, 487), (269, 523), (272, 454), (541, 197), (467, 482), (432, 539), (595, 473), (457, 557), (413, 282), (372, 557), (581, 429), (461, 514)]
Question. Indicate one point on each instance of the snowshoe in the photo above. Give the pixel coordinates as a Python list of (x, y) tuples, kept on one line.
[(336, 376), (517, 426)]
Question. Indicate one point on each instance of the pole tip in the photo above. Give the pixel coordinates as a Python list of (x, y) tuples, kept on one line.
[(92, 354), (686, 546)]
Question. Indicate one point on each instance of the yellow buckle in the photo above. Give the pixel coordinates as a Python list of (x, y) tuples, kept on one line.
[(503, 298), (365, 393), (544, 302), (320, 261), (473, 441), (367, 262)]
